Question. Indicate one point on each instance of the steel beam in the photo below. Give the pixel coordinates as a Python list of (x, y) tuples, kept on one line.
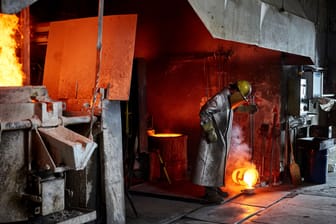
[(12, 6), (113, 179), (257, 23)]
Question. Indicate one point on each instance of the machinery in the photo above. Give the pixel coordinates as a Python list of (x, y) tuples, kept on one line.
[(305, 87), (36, 152), (47, 173)]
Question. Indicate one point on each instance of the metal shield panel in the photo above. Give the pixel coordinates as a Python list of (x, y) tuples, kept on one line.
[(70, 66)]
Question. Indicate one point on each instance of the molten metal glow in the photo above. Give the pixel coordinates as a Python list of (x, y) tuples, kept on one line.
[(245, 176), (11, 73), (166, 135), (251, 177)]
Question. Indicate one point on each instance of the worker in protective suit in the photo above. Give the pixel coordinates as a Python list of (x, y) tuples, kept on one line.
[(216, 117)]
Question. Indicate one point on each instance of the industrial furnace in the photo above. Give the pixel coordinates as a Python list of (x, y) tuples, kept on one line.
[(44, 162), (37, 149)]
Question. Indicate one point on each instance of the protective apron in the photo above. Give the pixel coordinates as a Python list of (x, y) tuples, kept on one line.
[(211, 159)]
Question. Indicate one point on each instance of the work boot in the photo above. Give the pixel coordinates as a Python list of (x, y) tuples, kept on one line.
[(212, 196), (222, 193)]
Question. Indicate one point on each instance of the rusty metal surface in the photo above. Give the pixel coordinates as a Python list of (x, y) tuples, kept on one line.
[(69, 72), (52, 196), (48, 113), (112, 158), (21, 103), (40, 154), (68, 148), (12, 177), (31, 141), (23, 94), (22, 111), (18, 104), (67, 217)]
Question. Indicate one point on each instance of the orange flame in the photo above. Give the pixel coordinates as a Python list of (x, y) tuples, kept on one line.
[(11, 73)]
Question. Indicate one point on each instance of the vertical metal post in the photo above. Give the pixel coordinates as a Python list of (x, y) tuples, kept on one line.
[(112, 160), (143, 125), (98, 61)]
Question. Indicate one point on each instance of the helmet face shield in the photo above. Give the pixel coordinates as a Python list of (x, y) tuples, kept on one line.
[(236, 99)]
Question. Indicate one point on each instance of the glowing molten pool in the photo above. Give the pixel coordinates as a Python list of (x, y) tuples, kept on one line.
[(245, 176), (166, 135)]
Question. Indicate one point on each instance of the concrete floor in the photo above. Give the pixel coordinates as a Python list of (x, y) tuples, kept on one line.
[(307, 203)]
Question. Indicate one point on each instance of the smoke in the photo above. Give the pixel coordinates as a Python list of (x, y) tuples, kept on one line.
[(239, 154)]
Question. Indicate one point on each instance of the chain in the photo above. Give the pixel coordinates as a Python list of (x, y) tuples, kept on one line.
[(98, 60)]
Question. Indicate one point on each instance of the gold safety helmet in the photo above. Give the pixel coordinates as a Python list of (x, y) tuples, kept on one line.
[(244, 88)]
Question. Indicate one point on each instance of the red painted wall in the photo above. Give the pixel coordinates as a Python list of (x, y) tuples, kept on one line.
[(180, 55)]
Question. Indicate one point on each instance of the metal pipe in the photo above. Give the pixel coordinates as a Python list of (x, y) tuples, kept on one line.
[(27, 124), (31, 197), (76, 120), (98, 61), (35, 123), (29, 151), (15, 125), (251, 119)]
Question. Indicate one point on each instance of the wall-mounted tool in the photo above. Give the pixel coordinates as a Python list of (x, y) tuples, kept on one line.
[(264, 133), (293, 166), (163, 165)]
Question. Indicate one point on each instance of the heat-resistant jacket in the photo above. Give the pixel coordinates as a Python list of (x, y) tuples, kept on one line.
[(210, 163)]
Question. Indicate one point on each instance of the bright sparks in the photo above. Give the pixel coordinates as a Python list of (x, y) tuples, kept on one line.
[(11, 73)]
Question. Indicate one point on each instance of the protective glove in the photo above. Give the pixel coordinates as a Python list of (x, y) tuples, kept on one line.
[(207, 125), (211, 136), (210, 132)]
